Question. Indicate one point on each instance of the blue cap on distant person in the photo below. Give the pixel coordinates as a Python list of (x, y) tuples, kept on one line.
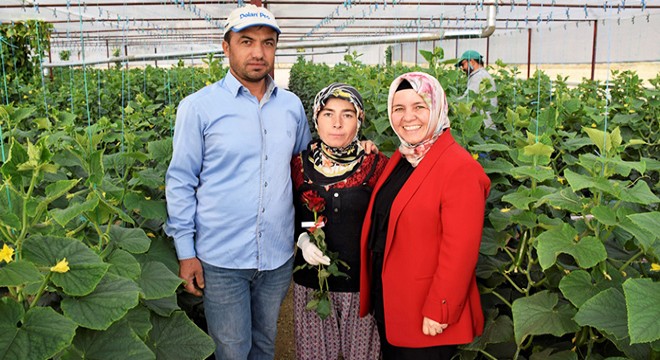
[(249, 15), (469, 55)]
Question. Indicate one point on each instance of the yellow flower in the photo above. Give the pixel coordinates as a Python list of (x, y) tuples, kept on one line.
[(593, 125), (208, 83), (151, 235), (505, 210), (654, 267), (475, 156), (24, 96), (561, 180), (6, 254), (61, 267)]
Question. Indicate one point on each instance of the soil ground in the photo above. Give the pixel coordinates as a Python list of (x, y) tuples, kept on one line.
[(285, 347)]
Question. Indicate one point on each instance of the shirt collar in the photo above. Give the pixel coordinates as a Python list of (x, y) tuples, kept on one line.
[(476, 71), (234, 86)]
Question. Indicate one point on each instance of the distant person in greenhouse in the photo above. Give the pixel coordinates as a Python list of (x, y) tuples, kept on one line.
[(337, 172), (472, 63), (229, 192), (422, 231)]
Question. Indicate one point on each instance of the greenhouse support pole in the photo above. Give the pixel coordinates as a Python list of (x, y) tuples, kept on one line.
[(593, 50), (107, 51), (156, 60), (529, 51), (126, 54), (487, 49), (416, 51)]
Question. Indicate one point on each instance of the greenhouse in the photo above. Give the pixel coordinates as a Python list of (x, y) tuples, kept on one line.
[(568, 135)]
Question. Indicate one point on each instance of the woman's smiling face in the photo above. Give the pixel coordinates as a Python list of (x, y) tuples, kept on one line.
[(410, 116)]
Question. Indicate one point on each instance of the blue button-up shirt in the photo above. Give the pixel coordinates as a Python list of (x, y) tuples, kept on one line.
[(228, 186)]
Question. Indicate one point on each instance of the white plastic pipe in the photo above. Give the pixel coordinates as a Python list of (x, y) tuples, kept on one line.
[(386, 39)]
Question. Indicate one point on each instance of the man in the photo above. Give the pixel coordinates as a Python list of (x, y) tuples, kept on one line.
[(229, 193), (471, 62)]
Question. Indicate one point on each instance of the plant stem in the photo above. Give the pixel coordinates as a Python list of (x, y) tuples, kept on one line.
[(629, 261), (42, 288), (24, 225)]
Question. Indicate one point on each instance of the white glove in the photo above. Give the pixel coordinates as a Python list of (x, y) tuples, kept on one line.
[(311, 253)]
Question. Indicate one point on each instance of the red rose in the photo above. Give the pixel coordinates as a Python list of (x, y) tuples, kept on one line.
[(313, 201)]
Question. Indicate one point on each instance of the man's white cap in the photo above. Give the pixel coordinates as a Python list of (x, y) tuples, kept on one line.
[(249, 15)]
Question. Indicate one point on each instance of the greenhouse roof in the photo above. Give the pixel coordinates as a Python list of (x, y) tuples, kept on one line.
[(169, 25)]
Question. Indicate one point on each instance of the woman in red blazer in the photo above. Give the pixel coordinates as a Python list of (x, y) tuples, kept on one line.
[(421, 234)]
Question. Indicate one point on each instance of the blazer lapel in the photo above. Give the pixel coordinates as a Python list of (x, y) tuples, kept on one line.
[(413, 183)]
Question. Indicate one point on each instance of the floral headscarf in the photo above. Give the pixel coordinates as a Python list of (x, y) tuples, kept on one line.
[(336, 164), (433, 95)]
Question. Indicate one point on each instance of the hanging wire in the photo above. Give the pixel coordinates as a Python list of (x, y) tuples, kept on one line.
[(41, 69), (4, 81), (607, 88), (82, 50)]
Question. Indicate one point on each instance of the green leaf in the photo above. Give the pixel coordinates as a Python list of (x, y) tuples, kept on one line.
[(63, 216), (616, 137), (157, 281), (643, 304), (113, 209), (520, 199), (501, 218), (537, 173), (579, 182), (109, 302), (324, 307), (139, 319), (149, 209), (599, 138), (639, 194), (564, 199), (646, 239), (85, 267), (161, 250), (177, 337), (497, 166), (606, 311), (133, 240), (59, 188), (605, 215), (492, 241), (163, 306), (150, 178), (119, 341), (539, 314), (587, 251), (39, 333), (95, 168), (538, 149), (648, 221), (19, 272), (9, 219), (489, 148), (124, 264), (497, 329), (578, 287), (547, 354)]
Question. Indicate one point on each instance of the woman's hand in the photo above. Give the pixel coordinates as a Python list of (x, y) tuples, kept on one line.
[(432, 327), (369, 147)]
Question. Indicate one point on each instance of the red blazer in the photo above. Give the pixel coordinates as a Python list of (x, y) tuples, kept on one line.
[(433, 239)]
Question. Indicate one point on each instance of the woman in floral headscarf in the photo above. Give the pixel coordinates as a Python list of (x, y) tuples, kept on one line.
[(336, 167), (421, 235)]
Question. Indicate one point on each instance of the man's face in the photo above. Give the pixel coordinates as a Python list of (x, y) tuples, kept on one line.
[(251, 53), (465, 66)]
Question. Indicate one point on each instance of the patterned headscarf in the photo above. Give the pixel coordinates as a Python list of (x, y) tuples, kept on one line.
[(430, 90), (336, 164)]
